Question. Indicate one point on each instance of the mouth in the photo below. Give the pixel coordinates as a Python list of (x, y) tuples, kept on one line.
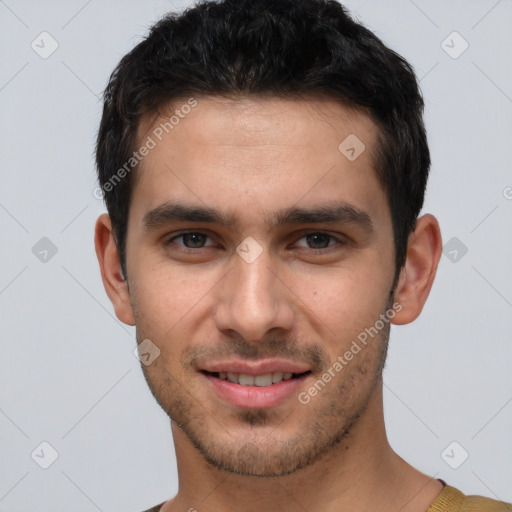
[(255, 385), (262, 380)]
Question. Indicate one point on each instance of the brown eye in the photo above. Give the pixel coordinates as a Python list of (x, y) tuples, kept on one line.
[(319, 241), (191, 240)]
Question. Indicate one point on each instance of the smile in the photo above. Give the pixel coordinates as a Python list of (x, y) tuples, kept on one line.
[(264, 380), (258, 391)]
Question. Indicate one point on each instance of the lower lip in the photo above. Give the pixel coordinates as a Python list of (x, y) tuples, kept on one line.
[(256, 397)]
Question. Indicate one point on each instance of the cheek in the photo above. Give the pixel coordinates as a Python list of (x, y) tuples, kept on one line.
[(344, 301), (160, 299), (173, 306)]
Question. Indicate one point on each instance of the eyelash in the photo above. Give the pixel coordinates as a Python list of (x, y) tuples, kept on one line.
[(329, 248)]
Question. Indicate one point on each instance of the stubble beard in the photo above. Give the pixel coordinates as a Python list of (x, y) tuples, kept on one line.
[(333, 413)]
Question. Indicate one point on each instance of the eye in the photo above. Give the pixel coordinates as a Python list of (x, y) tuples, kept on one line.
[(191, 240), (319, 241)]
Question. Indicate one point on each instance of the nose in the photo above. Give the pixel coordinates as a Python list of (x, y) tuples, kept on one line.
[(254, 299)]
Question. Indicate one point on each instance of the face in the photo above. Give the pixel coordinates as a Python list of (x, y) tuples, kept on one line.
[(257, 253)]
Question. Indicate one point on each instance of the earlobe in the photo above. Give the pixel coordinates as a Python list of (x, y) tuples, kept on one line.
[(114, 282), (417, 276)]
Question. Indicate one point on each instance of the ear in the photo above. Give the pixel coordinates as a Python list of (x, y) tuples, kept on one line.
[(110, 265), (417, 276)]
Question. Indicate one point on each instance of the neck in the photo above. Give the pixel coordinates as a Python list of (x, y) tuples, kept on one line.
[(361, 473)]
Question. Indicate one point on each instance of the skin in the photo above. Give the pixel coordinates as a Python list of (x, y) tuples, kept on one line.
[(302, 299)]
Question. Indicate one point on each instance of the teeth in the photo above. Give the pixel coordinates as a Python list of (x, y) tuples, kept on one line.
[(264, 380), (277, 377), (246, 380)]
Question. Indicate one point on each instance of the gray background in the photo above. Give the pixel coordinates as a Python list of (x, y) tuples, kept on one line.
[(68, 375)]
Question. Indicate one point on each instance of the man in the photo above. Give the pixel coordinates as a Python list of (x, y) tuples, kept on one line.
[(264, 164)]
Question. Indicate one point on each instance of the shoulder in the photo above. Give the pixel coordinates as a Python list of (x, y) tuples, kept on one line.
[(452, 500), (155, 508), (481, 504)]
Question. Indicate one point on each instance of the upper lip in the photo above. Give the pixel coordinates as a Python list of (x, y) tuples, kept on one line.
[(254, 368)]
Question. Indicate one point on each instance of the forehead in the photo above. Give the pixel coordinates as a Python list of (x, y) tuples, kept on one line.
[(264, 153), (253, 121)]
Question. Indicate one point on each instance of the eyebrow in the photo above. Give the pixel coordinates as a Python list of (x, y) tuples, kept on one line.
[(173, 211)]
